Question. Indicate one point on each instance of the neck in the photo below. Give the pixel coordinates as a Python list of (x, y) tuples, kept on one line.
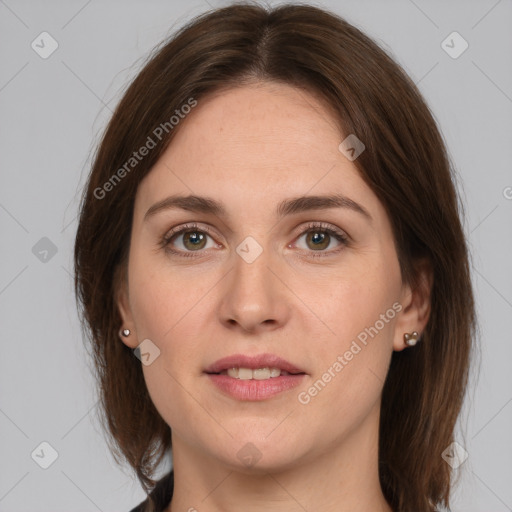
[(343, 478)]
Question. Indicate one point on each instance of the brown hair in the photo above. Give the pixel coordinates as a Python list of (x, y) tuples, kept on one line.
[(406, 165)]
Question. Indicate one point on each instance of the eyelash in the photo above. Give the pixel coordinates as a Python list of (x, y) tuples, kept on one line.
[(318, 226)]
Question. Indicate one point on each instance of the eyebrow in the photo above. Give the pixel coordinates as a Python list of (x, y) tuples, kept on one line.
[(291, 206)]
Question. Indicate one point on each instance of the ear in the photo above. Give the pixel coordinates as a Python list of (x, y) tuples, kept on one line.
[(415, 303), (123, 305)]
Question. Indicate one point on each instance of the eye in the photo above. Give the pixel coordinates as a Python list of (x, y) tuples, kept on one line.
[(319, 237), (188, 238)]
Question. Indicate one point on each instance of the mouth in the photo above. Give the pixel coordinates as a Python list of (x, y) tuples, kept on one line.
[(253, 378), (259, 367), (255, 374)]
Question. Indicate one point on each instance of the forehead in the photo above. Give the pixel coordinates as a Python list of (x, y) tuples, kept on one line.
[(264, 141), (272, 114)]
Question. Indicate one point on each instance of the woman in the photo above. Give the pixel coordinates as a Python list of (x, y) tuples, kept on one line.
[(271, 266)]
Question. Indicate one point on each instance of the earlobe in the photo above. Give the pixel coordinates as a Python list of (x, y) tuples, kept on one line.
[(416, 303), (126, 329), (124, 333), (410, 339)]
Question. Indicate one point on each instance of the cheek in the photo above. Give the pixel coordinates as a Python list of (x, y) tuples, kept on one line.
[(347, 301), (357, 319), (166, 306), (164, 313), (163, 298)]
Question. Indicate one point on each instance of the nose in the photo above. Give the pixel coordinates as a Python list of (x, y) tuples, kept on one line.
[(254, 295)]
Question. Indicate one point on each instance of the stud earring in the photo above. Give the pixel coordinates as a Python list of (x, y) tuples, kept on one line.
[(124, 333), (411, 339)]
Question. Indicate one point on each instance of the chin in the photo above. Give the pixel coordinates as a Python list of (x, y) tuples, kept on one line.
[(262, 452), (261, 463)]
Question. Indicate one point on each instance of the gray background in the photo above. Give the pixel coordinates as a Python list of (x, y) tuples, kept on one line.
[(52, 112)]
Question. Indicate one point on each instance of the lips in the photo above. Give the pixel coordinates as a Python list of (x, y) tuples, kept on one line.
[(254, 363), (254, 378)]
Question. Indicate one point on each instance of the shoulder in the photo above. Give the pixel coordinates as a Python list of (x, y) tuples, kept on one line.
[(161, 494)]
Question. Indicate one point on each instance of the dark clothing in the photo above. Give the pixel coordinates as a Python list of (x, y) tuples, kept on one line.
[(161, 494)]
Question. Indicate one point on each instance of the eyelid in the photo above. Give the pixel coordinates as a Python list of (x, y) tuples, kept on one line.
[(321, 226), (189, 226)]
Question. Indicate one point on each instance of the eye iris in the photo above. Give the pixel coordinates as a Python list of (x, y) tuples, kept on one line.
[(320, 239), (196, 238)]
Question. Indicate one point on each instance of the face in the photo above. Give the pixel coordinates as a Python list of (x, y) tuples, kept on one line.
[(315, 284)]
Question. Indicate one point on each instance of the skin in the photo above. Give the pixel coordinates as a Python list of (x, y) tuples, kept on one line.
[(250, 148)]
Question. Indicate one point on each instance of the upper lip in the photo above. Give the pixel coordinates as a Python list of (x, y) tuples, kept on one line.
[(253, 362)]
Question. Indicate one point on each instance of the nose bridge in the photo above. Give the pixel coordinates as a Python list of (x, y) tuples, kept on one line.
[(253, 296), (251, 271)]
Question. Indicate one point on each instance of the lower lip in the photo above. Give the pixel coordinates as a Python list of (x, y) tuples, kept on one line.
[(254, 390)]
